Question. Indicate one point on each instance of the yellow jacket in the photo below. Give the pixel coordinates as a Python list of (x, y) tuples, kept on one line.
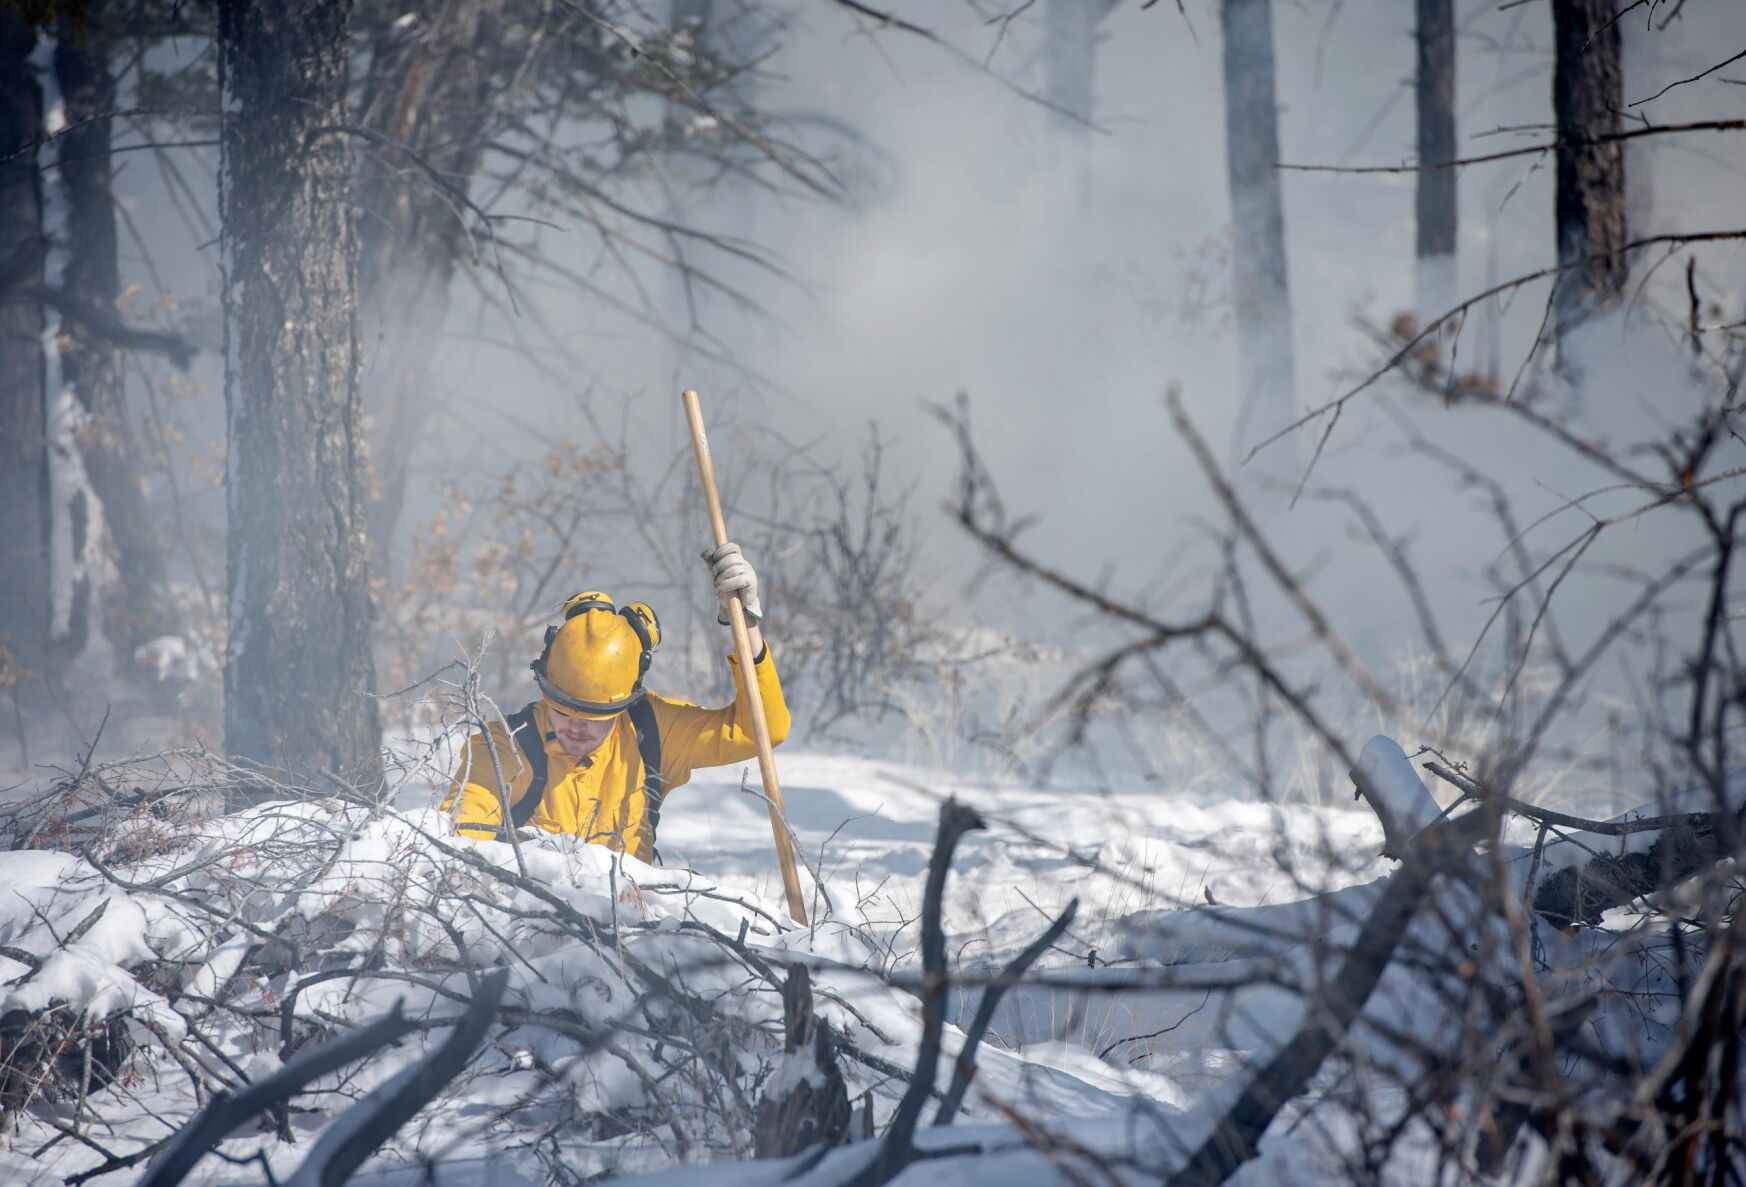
[(601, 797)]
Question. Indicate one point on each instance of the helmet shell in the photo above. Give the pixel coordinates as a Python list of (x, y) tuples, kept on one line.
[(596, 659)]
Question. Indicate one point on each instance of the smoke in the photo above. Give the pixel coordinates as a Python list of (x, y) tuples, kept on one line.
[(1065, 291)]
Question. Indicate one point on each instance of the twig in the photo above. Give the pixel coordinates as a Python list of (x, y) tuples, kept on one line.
[(1528, 150)]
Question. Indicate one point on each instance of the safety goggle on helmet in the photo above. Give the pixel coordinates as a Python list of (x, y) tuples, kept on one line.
[(593, 663)]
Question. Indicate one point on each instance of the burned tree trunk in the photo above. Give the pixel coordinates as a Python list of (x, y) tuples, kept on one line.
[(807, 1102), (25, 598), (1436, 205), (1260, 282), (426, 103), (1587, 97), (297, 667), (137, 608)]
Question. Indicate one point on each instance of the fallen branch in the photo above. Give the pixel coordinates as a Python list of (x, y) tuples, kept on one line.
[(1581, 892), (229, 1110), (897, 1150), (107, 326), (1527, 150), (366, 1126)]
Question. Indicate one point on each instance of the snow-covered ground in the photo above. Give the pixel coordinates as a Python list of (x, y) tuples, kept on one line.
[(648, 1022)]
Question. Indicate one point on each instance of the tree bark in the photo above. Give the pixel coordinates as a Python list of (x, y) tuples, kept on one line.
[(1587, 97), (137, 608), (298, 670), (428, 92), (1260, 282), (1436, 204), (25, 599)]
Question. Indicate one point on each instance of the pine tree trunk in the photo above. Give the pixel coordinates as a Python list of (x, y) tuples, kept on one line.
[(1261, 287), (298, 671), (24, 528), (137, 608), (428, 90), (1436, 206), (1587, 98)]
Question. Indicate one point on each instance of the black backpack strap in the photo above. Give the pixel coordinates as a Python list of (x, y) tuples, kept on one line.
[(642, 715), (526, 732)]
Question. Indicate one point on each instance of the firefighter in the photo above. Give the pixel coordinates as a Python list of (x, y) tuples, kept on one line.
[(597, 753)]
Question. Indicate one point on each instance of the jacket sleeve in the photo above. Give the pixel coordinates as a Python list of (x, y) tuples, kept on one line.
[(472, 796), (692, 736)]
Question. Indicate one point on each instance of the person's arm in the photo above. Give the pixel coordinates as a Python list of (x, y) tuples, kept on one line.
[(696, 737), (473, 797), (693, 736)]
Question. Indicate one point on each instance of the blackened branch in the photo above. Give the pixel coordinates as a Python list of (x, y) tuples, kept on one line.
[(965, 1069), (897, 1150)]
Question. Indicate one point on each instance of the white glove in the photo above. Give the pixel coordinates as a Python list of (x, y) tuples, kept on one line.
[(733, 574)]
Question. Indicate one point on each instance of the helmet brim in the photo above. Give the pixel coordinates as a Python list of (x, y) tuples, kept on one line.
[(579, 715), (558, 699)]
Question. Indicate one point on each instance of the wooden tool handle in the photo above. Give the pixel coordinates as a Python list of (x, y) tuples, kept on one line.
[(748, 674)]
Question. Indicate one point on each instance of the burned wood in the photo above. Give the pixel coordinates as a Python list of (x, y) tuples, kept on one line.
[(370, 1123), (807, 1104), (1581, 894), (367, 1125), (897, 1150), (228, 1110)]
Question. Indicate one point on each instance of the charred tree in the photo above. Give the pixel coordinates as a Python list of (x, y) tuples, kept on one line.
[(297, 666), (1436, 200), (1587, 98), (137, 608), (427, 108), (1260, 282), (806, 1103), (25, 594)]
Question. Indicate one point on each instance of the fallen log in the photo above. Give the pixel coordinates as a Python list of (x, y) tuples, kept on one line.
[(1235, 1137)]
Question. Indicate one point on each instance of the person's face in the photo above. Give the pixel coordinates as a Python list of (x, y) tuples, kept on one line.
[(580, 736)]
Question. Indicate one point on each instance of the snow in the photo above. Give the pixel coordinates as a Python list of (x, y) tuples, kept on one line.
[(1128, 1047), (1401, 799)]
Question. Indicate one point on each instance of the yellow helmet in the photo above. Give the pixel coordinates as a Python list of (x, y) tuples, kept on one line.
[(594, 662)]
